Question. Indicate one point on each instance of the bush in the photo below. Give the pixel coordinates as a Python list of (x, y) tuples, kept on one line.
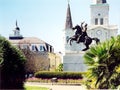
[(59, 75), (11, 66)]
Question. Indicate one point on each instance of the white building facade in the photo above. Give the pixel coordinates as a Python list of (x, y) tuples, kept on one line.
[(99, 27)]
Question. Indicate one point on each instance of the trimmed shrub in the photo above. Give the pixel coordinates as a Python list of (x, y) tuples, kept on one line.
[(12, 70), (59, 75)]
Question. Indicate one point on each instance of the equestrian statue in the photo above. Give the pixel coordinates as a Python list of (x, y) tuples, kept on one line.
[(81, 36)]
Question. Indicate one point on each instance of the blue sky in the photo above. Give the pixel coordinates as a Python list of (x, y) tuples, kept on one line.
[(45, 19)]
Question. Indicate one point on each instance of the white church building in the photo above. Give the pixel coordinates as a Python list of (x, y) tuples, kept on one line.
[(99, 27)]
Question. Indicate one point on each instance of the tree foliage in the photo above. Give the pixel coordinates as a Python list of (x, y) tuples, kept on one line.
[(35, 60), (103, 62), (60, 68), (12, 64)]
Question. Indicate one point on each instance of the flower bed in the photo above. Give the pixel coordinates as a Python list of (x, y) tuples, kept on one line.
[(60, 81)]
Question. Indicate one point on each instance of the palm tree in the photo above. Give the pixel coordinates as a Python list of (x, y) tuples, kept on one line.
[(103, 63)]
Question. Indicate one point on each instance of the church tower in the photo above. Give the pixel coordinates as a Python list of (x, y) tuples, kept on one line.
[(72, 59), (100, 13), (68, 32), (16, 33), (99, 26), (68, 23)]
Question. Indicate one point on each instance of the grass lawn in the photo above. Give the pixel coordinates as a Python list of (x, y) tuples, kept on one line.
[(35, 88)]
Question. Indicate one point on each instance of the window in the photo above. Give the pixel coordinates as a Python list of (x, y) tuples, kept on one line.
[(101, 21), (33, 47), (41, 48), (96, 21)]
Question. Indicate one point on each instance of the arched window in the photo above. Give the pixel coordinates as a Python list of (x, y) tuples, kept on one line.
[(101, 21), (96, 21)]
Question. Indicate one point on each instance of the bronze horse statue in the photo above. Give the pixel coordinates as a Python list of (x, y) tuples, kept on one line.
[(86, 40)]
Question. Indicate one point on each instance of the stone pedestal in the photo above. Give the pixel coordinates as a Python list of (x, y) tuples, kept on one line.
[(73, 61)]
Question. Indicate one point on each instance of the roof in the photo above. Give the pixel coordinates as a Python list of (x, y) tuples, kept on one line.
[(30, 40)]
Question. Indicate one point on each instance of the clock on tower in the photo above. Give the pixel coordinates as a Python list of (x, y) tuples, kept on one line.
[(98, 32)]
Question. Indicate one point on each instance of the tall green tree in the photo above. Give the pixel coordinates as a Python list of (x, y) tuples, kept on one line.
[(12, 63), (1, 56), (103, 63)]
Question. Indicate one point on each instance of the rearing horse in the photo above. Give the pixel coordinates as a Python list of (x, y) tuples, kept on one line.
[(86, 41), (77, 33)]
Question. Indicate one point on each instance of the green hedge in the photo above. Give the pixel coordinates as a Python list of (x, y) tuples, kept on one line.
[(59, 75)]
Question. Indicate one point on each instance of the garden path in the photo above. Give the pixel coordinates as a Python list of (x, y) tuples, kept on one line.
[(56, 87)]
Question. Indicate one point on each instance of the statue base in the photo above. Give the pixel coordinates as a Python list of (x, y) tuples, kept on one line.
[(73, 62)]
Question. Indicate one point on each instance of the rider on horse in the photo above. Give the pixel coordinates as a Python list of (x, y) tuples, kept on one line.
[(81, 36), (84, 33)]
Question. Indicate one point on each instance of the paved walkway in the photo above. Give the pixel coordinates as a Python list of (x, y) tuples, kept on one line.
[(57, 87)]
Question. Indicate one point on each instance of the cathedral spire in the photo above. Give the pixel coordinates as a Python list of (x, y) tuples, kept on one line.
[(16, 23), (68, 23)]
